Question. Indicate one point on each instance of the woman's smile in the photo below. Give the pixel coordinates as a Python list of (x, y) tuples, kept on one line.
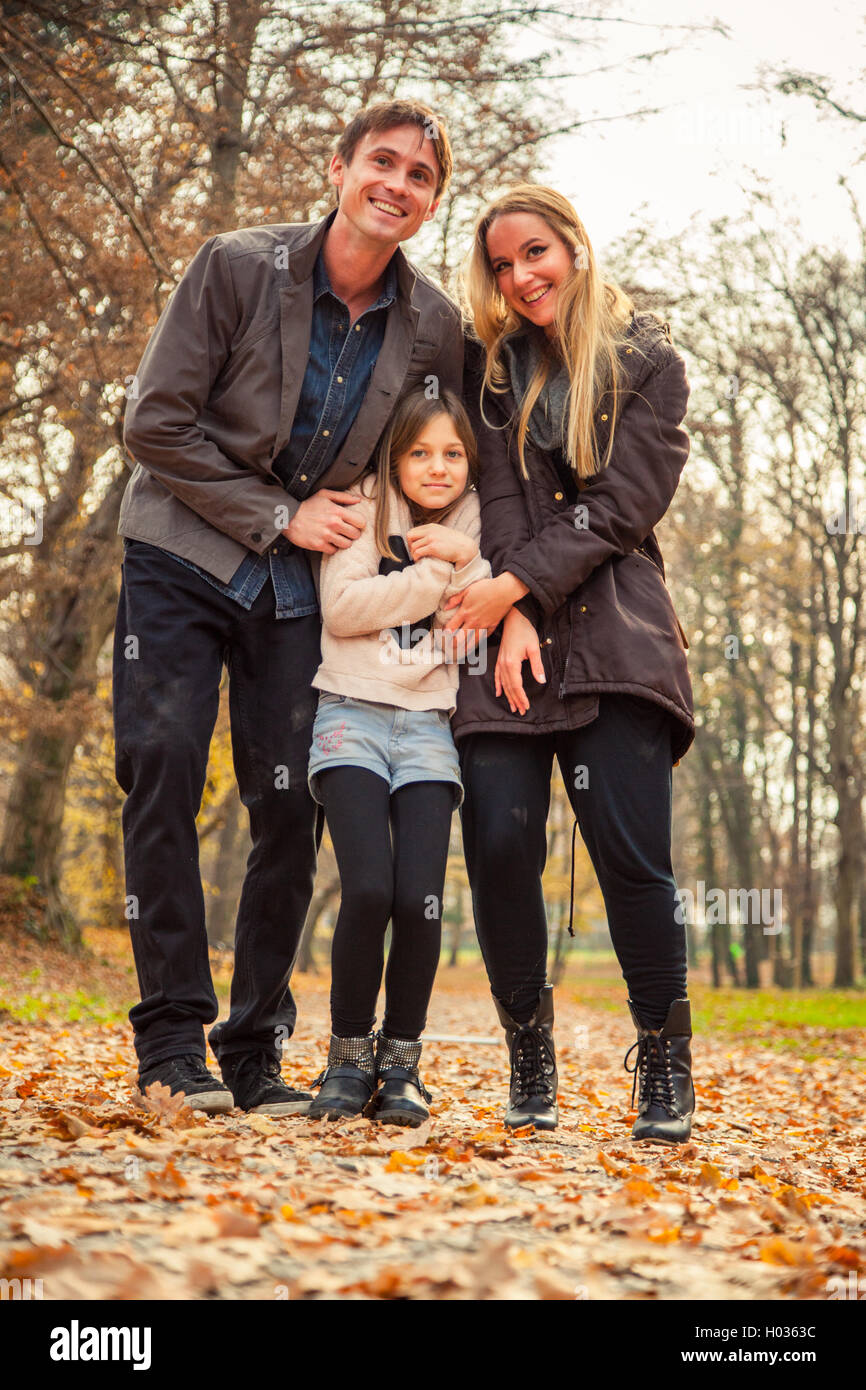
[(530, 262)]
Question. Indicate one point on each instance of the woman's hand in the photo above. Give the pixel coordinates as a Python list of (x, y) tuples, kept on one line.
[(442, 542), (484, 603), (519, 643)]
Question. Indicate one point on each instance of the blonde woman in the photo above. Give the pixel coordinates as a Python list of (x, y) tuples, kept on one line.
[(577, 403)]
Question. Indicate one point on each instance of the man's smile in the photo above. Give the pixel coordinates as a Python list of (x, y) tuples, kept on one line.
[(390, 208)]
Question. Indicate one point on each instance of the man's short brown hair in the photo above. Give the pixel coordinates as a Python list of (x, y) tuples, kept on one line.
[(385, 115)]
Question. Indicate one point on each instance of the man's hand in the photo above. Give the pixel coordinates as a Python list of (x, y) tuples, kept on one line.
[(519, 643), (442, 542), (484, 603), (326, 522)]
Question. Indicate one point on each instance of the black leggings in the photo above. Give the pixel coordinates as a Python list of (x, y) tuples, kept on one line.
[(403, 882), (624, 815)]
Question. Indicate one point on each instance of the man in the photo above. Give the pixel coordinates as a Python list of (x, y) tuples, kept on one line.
[(261, 396)]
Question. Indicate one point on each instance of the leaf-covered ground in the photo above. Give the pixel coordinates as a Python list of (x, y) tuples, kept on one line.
[(103, 1199)]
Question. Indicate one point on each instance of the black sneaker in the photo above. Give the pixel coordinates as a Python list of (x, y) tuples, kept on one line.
[(189, 1076), (255, 1082)]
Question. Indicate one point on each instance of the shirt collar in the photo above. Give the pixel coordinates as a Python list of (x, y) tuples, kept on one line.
[(322, 285)]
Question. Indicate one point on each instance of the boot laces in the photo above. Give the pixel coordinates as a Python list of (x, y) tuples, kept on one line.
[(534, 1064), (192, 1068), (258, 1062), (653, 1067)]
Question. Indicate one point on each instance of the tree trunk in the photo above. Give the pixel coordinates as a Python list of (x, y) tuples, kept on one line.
[(76, 625)]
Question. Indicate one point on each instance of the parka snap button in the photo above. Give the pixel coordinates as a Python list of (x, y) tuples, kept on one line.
[(604, 417), (548, 641), (629, 349), (557, 496), (583, 608), (303, 477)]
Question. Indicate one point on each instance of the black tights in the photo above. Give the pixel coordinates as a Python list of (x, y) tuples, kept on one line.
[(403, 882), (617, 773)]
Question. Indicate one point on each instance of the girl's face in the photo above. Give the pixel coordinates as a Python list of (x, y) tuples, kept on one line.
[(529, 262), (434, 470)]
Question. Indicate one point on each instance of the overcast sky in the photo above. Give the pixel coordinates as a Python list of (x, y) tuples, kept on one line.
[(695, 156)]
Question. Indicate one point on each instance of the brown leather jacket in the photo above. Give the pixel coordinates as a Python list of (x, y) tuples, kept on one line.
[(214, 398), (597, 590)]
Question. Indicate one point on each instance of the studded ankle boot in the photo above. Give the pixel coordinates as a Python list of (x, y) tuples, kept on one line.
[(401, 1097), (348, 1080), (532, 1099), (666, 1099)]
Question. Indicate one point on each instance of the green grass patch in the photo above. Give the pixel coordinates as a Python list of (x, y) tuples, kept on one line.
[(735, 1010), (64, 1008)]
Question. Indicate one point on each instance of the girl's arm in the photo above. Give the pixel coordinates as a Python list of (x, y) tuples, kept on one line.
[(468, 520), (356, 599)]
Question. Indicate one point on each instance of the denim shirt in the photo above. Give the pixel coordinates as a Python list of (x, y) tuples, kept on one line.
[(341, 361)]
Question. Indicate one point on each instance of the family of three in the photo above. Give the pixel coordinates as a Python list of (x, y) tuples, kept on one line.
[(346, 491)]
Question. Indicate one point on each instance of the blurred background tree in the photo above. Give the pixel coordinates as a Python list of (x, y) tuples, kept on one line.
[(128, 134)]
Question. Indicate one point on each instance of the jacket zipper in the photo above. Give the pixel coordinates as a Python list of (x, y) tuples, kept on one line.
[(564, 673), (567, 659)]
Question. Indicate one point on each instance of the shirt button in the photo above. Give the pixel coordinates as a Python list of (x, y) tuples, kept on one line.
[(274, 550), (303, 477), (256, 536), (629, 349), (557, 496), (604, 417)]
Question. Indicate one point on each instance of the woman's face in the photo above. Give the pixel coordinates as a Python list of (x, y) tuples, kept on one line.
[(434, 471), (530, 262)]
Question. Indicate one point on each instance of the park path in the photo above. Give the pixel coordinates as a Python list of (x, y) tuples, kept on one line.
[(101, 1200)]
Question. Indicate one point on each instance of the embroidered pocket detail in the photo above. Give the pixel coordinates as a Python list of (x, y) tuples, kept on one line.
[(329, 743)]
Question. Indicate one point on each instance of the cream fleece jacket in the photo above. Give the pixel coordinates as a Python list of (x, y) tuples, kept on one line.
[(361, 655)]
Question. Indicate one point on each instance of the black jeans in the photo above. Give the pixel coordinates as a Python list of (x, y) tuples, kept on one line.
[(617, 772), (174, 633)]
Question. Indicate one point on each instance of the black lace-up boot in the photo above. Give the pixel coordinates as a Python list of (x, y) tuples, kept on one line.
[(348, 1080), (666, 1099), (400, 1099), (532, 1100)]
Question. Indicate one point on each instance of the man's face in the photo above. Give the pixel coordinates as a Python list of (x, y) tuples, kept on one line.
[(389, 188)]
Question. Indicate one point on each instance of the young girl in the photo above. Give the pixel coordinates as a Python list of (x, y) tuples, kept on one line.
[(383, 762)]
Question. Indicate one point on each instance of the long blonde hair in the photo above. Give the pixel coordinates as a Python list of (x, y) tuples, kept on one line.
[(591, 316), (413, 412)]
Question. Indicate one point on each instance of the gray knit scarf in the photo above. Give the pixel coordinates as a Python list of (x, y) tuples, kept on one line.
[(522, 356)]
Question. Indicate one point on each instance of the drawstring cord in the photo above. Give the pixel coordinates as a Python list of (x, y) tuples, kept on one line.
[(571, 903)]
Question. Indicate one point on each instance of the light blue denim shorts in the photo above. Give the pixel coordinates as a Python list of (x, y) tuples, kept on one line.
[(401, 745)]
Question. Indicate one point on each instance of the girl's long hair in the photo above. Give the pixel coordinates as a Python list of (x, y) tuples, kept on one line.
[(591, 317), (414, 411)]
